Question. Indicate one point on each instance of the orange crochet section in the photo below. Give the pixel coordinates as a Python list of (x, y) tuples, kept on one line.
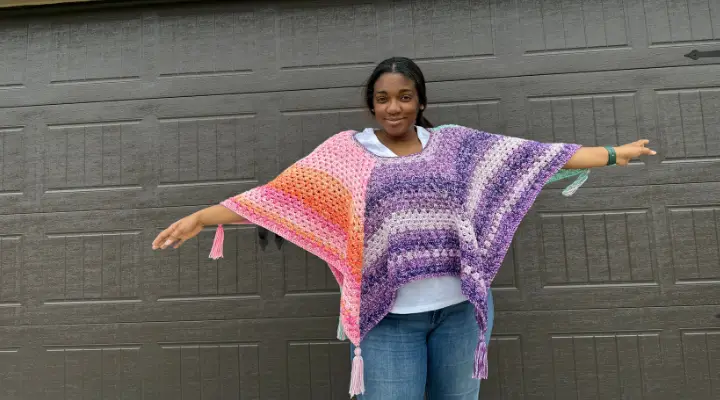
[(355, 247), (320, 191), (282, 221)]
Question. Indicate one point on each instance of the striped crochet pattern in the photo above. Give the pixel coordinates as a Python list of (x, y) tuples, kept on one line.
[(380, 222)]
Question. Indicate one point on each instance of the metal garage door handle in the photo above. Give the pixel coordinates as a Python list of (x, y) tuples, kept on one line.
[(694, 55)]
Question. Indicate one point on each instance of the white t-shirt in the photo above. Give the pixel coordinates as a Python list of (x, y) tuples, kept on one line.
[(427, 294)]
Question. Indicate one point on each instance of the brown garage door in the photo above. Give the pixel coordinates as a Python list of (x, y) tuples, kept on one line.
[(114, 123)]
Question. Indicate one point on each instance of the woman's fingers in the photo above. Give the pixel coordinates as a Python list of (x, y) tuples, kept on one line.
[(167, 237), (179, 243), (162, 237), (648, 152), (644, 151), (176, 234), (171, 238)]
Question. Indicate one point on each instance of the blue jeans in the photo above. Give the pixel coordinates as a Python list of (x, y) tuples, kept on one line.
[(407, 356)]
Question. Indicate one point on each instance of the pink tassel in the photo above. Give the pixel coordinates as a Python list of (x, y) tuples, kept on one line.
[(217, 246), (481, 361), (357, 381)]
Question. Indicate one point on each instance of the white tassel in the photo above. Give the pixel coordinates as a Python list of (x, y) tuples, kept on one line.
[(357, 381)]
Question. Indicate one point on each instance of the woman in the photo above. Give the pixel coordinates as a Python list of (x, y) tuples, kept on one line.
[(414, 221)]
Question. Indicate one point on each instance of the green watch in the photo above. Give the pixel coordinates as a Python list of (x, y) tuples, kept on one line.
[(612, 155)]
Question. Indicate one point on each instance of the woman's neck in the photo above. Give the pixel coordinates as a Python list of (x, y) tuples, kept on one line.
[(403, 145), (408, 137)]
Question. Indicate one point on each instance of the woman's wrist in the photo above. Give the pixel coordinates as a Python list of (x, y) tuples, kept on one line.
[(218, 215), (612, 155), (198, 215)]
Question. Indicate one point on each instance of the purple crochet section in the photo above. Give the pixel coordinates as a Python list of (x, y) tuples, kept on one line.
[(451, 210)]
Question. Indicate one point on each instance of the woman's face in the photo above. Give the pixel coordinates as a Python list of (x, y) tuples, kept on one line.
[(396, 104)]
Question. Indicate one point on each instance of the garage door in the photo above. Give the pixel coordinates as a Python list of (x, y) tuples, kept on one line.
[(116, 122)]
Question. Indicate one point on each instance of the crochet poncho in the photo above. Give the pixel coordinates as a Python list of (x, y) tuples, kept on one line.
[(381, 222)]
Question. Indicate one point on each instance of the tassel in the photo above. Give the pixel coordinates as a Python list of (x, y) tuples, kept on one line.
[(340, 331), (217, 246), (573, 187), (357, 381), (481, 361)]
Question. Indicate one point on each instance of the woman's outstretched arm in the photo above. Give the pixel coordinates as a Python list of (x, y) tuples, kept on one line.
[(593, 157), (187, 228)]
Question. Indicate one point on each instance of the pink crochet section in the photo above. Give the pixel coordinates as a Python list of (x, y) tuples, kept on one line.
[(319, 204)]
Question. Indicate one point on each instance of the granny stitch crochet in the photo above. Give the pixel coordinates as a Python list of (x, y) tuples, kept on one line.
[(380, 222)]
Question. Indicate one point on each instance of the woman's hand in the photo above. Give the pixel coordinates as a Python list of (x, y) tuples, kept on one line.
[(627, 152), (178, 233)]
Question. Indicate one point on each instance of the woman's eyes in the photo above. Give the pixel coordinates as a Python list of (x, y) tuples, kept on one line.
[(384, 99)]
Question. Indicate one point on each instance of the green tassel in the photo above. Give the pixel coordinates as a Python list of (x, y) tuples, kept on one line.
[(582, 177), (340, 331)]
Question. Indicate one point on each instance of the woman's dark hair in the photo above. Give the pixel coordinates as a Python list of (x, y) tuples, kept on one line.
[(407, 67)]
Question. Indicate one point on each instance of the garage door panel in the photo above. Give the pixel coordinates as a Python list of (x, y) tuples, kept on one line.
[(700, 354), (687, 238), (216, 153), (603, 354), (594, 365), (207, 371), (100, 49), (306, 273), (588, 255), (14, 284), (13, 367), (17, 168), (686, 134), (676, 22), (314, 369), (303, 130), (626, 365), (79, 264), (308, 37), (589, 119), (15, 48), (90, 155), (104, 162), (505, 376), (486, 115), (571, 240), (687, 125), (694, 246), (93, 372)]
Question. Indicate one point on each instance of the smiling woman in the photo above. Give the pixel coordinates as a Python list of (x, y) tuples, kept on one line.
[(414, 222)]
